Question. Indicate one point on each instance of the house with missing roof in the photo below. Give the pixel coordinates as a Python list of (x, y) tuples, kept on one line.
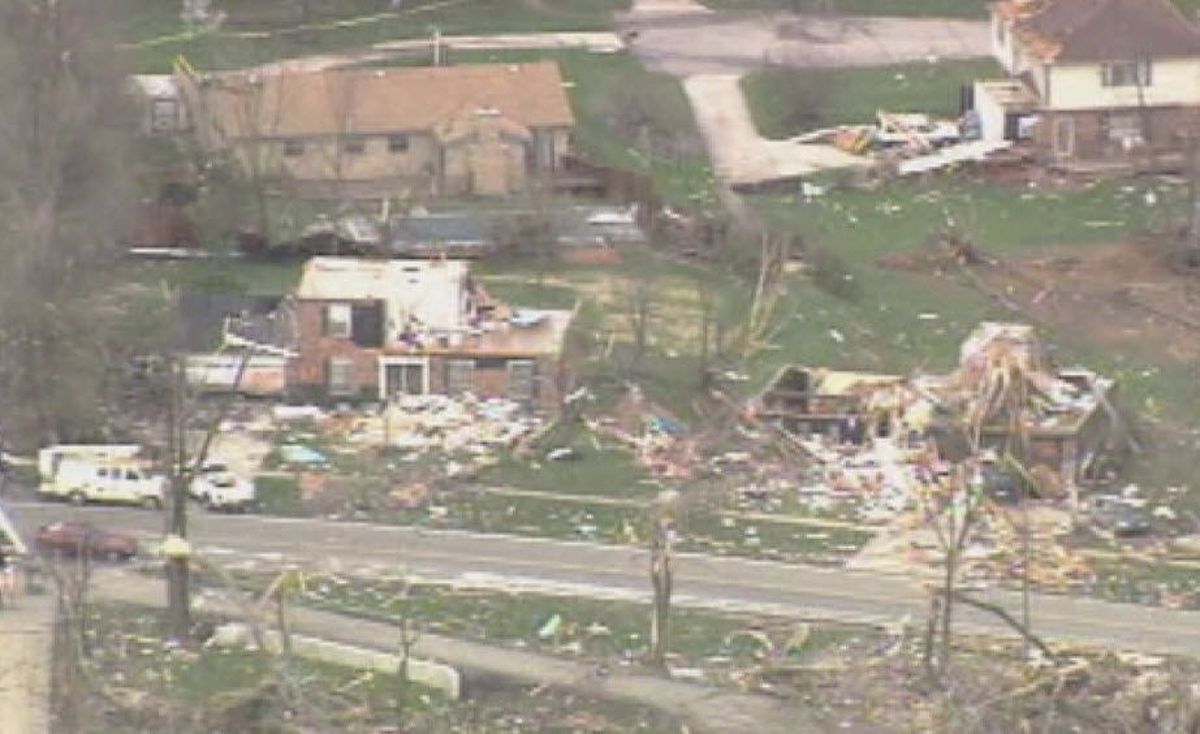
[(1092, 80), (381, 328), (474, 129)]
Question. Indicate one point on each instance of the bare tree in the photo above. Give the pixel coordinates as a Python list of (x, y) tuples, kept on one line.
[(955, 503), (64, 188), (761, 325)]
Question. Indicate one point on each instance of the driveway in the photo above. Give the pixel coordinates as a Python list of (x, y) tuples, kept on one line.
[(710, 52), (740, 156)]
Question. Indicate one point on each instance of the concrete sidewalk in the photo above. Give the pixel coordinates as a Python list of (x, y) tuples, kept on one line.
[(26, 649), (704, 709)]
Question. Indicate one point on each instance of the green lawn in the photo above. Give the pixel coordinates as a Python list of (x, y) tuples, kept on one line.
[(853, 96), (596, 466), (607, 630), (257, 31), (885, 329)]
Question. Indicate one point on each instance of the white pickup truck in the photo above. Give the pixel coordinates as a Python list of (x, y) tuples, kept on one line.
[(98, 473)]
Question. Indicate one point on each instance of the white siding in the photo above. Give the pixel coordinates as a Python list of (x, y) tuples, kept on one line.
[(1079, 87), (1002, 44)]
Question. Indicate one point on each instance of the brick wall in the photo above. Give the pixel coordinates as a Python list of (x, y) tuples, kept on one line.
[(310, 371), (1166, 125)]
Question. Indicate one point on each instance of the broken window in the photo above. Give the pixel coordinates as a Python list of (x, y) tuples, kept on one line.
[(521, 383), (293, 148), (397, 143), (341, 376), (1126, 74), (460, 376), (338, 320)]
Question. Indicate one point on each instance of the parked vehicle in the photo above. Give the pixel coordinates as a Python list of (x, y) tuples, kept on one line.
[(81, 479), (51, 457), (82, 538), (217, 488)]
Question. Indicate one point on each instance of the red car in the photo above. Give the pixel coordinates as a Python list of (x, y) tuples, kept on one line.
[(75, 538)]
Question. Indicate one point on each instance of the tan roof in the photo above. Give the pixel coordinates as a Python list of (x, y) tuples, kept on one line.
[(380, 101)]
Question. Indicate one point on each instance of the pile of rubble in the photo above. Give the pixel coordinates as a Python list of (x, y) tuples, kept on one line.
[(420, 424), (878, 441)]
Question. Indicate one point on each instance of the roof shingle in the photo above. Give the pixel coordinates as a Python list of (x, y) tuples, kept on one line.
[(381, 101), (1102, 30)]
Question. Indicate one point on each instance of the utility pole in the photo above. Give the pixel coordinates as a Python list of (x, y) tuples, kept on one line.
[(661, 578), (175, 546)]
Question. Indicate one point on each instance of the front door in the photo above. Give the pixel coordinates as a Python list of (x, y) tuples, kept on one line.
[(1064, 137)]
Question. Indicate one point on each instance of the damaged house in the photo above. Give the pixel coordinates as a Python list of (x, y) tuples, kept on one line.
[(1070, 421), (1092, 80), (473, 129), (375, 328)]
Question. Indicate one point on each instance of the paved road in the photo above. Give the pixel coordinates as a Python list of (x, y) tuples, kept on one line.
[(687, 44), (704, 709), (587, 569)]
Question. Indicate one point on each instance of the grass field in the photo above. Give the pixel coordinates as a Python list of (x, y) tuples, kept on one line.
[(852, 96), (906, 320), (606, 630), (257, 31)]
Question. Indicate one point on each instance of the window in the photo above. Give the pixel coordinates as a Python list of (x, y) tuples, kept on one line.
[(338, 320), (1125, 128), (397, 143), (521, 380), (293, 148), (460, 376), (353, 146), (132, 475), (1000, 32), (341, 376), (1126, 74)]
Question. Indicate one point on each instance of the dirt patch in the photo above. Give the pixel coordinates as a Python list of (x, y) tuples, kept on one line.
[(1124, 296)]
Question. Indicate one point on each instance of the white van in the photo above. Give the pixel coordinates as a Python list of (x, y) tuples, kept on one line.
[(50, 457), (114, 480)]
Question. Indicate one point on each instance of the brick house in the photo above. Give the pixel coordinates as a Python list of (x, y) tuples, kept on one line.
[(1092, 80), (375, 328), (480, 129)]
